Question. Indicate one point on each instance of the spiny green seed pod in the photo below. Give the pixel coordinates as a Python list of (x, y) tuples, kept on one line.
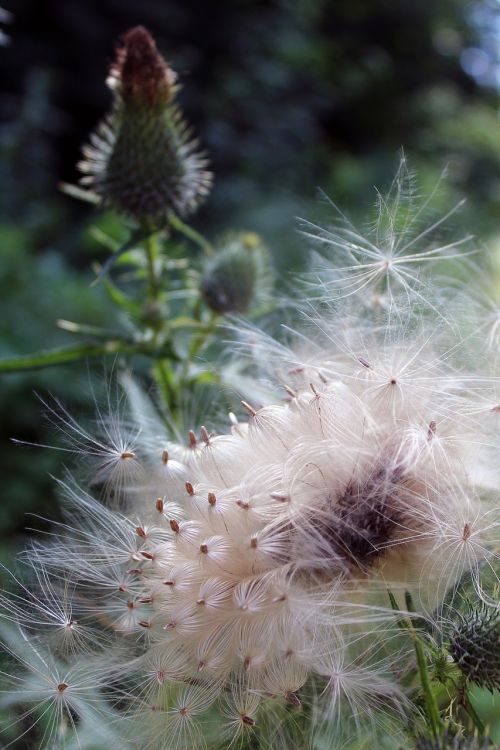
[(237, 275), (451, 741), (475, 646), (142, 160)]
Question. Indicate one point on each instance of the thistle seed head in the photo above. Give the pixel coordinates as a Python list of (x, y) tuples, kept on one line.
[(248, 571)]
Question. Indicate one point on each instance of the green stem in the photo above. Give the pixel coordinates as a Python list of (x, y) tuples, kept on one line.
[(69, 354), (154, 285), (190, 233), (166, 384), (162, 371), (432, 710), (433, 717), (467, 705), (198, 338)]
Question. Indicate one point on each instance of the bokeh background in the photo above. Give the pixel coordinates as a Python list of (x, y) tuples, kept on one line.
[(286, 95)]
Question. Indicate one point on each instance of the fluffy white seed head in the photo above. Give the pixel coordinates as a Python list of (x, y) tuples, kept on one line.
[(240, 564)]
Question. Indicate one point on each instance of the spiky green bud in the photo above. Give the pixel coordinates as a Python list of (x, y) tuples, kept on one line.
[(142, 160), (475, 646), (237, 274)]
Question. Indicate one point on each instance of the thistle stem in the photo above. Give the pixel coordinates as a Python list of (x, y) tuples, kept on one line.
[(432, 710), (467, 705), (190, 233), (430, 701), (163, 376), (151, 247)]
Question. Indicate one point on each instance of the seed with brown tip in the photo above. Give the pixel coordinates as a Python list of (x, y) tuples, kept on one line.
[(280, 496), (431, 431), (249, 408)]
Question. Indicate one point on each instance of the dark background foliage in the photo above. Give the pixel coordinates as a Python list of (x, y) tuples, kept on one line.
[(286, 95)]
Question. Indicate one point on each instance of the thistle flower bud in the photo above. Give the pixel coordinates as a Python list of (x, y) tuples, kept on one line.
[(475, 646), (235, 276), (141, 160)]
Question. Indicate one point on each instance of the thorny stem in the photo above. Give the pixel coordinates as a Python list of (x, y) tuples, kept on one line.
[(432, 710)]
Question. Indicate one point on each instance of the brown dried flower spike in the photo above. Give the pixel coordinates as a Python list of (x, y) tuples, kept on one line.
[(142, 160), (140, 72)]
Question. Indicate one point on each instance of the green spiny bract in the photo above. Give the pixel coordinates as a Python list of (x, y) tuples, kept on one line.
[(236, 274), (475, 646), (142, 160)]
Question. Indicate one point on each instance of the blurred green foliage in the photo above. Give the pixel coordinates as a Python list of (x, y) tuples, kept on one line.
[(285, 94)]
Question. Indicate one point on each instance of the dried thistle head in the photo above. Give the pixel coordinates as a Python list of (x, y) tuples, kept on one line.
[(142, 160), (249, 569)]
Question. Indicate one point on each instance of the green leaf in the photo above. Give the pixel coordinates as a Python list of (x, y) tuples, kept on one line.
[(82, 328), (110, 243), (62, 355), (138, 236), (119, 298), (190, 233), (80, 193)]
